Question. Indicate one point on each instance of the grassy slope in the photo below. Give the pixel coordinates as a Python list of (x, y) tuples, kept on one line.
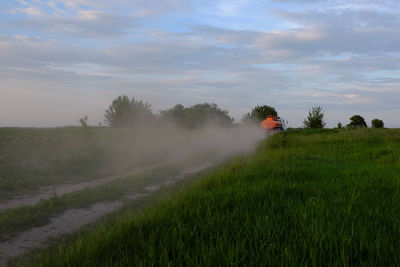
[(315, 198)]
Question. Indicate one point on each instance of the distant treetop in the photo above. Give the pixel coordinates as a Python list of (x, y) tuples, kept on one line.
[(128, 113), (357, 121), (259, 113), (377, 123), (196, 116)]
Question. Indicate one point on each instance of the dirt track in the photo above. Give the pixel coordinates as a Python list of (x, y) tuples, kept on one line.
[(70, 221), (48, 192), (73, 219)]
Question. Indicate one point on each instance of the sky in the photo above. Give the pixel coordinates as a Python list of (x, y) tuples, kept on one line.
[(61, 60)]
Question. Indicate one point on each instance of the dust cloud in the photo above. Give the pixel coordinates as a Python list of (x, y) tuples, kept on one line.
[(151, 146), (119, 152), (87, 158)]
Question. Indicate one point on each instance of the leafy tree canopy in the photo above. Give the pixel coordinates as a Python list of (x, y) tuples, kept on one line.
[(128, 113), (259, 113), (315, 118), (196, 116), (377, 123), (174, 116), (357, 121)]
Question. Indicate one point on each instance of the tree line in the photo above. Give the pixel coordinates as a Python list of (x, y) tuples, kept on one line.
[(315, 119), (125, 112)]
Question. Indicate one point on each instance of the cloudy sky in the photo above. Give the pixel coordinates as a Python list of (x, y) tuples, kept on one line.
[(63, 59)]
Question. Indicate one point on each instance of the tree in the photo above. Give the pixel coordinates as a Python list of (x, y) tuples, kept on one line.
[(196, 116), (83, 121), (357, 121), (202, 114), (377, 123), (128, 113), (259, 113), (174, 116), (315, 118), (339, 125)]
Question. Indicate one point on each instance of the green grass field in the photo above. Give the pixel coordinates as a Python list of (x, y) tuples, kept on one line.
[(31, 158), (316, 198)]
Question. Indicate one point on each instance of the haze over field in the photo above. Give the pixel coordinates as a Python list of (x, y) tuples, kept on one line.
[(62, 60), (75, 176)]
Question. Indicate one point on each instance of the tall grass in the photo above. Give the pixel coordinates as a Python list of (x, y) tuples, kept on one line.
[(305, 198)]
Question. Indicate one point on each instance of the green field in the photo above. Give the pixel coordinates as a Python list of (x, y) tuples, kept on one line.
[(317, 198), (33, 158), (55, 181)]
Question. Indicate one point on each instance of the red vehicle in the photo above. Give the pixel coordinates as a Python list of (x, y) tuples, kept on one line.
[(273, 123)]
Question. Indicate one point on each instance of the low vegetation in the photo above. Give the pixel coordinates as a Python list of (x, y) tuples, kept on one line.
[(311, 197)]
